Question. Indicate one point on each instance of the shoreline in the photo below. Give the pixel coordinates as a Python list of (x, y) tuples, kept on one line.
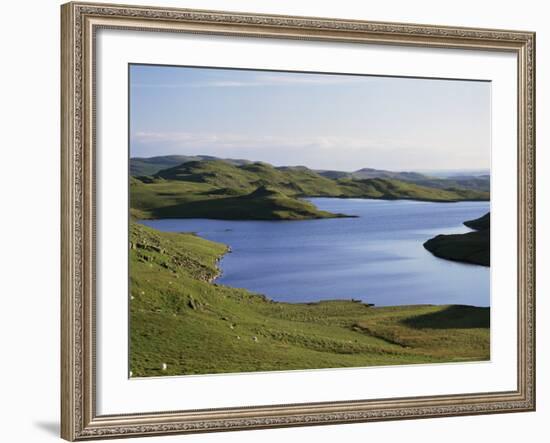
[(180, 317), (214, 279), (229, 250), (335, 215)]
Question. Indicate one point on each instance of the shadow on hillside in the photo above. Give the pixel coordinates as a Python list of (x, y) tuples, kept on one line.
[(452, 317)]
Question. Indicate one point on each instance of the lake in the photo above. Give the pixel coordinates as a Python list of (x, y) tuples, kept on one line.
[(377, 257)]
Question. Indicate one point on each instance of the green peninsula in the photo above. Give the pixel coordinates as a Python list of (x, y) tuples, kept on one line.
[(471, 247)]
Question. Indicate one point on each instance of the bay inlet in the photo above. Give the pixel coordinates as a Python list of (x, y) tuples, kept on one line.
[(376, 257)]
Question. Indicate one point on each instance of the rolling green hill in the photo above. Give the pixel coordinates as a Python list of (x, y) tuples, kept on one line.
[(246, 178), (180, 318), (477, 183), (391, 189), (264, 203), (142, 166), (151, 165), (471, 247), (364, 173), (219, 189)]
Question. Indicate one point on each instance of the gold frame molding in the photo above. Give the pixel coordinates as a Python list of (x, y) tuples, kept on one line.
[(79, 22)]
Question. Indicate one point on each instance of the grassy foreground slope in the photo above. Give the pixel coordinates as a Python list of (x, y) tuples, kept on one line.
[(181, 319), (471, 247), (219, 189)]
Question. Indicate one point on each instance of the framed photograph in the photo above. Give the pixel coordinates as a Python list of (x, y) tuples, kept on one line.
[(277, 221)]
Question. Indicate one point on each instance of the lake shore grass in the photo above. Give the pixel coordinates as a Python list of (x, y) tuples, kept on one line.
[(181, 323)]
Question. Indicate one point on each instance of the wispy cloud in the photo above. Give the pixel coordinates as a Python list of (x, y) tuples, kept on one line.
[(228, 140), (322, 151), (317, 151), (262, 81)]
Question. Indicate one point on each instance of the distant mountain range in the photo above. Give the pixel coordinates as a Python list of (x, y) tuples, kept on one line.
[(454, 173), (373, 173), (148, 166)]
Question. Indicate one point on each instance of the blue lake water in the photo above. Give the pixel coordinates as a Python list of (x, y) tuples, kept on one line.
[(377, 258)]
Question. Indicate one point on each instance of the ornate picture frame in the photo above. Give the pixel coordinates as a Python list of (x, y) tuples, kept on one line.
[(80, 23)]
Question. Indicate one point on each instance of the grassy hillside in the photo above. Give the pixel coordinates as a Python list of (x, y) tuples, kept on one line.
[(151, 165), (219, 189), (182, 199), (141, 166), (475, 183), (471, 247), (391, 189), (264, 203), (181, 319), (246, 178)]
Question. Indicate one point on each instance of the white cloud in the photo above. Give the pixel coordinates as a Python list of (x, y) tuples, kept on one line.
[(320, 151), (188, 139), (263, 80)]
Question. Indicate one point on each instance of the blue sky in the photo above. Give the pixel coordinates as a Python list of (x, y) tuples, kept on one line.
[(318, 120)]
